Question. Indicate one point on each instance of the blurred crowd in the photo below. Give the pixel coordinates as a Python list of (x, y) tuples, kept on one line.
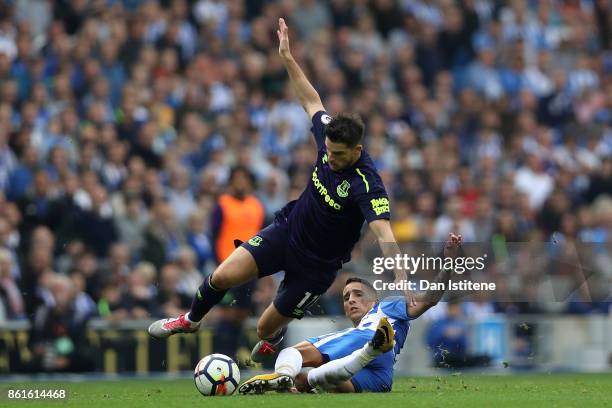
[(121, 122)]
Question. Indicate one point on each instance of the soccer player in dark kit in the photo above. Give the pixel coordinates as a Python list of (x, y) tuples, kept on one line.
[(310, 237)]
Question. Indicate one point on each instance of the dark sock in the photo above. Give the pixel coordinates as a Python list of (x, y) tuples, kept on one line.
[(205, 298)]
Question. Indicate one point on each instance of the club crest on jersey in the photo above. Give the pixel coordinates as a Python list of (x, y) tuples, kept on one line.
[(256, 240), (343, 189)]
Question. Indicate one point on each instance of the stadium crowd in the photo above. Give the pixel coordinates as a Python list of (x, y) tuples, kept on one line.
[(121, 122)]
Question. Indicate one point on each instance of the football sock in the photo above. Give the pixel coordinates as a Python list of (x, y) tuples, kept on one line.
[(205, 298), (330, 374), (288, 362)]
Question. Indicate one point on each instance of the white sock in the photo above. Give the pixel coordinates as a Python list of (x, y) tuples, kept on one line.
[(288, 362), (330, 374)]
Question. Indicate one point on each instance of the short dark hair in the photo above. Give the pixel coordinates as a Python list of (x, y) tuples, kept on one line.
[(345, 128), (244, 170), (364, 282)]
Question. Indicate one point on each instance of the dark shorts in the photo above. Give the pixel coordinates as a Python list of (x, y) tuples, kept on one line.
[(303, 284)]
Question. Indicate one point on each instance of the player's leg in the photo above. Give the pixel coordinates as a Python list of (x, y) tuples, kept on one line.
[(240, 267), (292, 359), (258, 257), (293, 299), (288, 365), (271, 329), (336, 372), (347, 356), (271, 323), (366, 380), (301, 384), (301, 381), (311, 356)]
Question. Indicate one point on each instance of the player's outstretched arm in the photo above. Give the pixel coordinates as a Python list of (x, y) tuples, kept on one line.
[(424, 301), (308, 96)]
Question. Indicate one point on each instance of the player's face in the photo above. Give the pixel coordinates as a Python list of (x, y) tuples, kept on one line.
[(357, 301), (341, 156)]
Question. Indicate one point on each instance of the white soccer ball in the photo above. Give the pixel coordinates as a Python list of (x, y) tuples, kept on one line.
[(216, 375)]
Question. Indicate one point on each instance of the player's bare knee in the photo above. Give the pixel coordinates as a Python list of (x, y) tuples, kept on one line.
[(234, 271), (220, 279)]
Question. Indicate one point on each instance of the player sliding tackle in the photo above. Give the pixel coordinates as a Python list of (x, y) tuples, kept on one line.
[(310, 237), (357, 359)]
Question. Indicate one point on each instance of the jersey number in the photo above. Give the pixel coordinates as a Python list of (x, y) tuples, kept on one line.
[(307, 301)]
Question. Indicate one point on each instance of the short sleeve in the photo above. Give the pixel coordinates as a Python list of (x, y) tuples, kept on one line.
[(319, 121), (395, 307), (371, 196)]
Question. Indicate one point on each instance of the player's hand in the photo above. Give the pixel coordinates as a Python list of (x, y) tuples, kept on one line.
[(283, 39), (452, 248)]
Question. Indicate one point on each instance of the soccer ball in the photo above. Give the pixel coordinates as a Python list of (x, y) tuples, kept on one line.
[(216, 374)]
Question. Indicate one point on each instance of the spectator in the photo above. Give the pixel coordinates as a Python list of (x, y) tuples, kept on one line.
[(138, 298), (96, 225), (131, 224), (533, 181), (168, 298), (238, 214), (180, 196), (35, 206), (190, 278), (11, 301), (58, 337), (162, 236), (447, 338), (199, 241)]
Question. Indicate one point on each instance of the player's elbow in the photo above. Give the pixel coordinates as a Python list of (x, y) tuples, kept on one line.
[(430, 304), (382, 229), (431, 301)]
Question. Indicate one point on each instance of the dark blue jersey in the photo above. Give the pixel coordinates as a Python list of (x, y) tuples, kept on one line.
[(326, 220)]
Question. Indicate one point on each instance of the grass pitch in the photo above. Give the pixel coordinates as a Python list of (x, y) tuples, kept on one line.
[(541, 390)]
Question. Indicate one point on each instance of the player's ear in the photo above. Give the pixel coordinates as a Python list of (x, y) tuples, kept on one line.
[(374, 296)]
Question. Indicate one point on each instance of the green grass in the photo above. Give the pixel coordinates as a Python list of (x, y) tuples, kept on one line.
[(541, 390)]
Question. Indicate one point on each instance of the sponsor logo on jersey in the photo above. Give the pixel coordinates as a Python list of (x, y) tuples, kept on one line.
[(322, 190), (380, 205), (343, 189)]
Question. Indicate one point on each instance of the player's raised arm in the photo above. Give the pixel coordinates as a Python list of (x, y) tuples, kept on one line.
[(426, 300), (308, 96)]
